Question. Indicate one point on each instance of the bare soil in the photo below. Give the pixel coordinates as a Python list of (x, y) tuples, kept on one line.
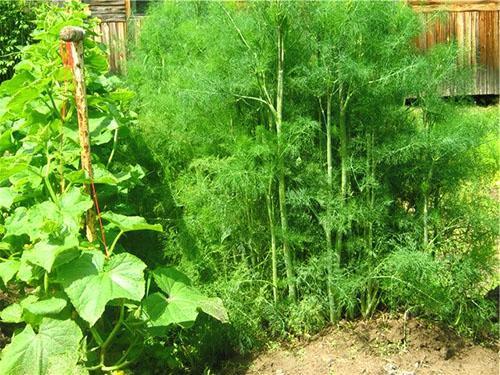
[(380, 346)]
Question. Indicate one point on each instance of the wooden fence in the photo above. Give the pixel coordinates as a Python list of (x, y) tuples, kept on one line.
[(473, 24), (114, 35), (114, 16)]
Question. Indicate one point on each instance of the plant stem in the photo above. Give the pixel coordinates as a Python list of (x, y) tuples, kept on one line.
[(115, 241), (115, 328), (97, 337), (46, 282), (49, 188), (281, 181), (343, 173), (113, 333), (115, 141), (274, 266), (426, 206), (370, 195), (116, 367), (122, 361), (327, 226), (46, 178)]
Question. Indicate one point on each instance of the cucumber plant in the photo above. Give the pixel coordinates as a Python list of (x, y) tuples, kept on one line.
[(79, 306)]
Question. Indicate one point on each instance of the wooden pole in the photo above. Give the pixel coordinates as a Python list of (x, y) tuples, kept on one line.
[(73, 39)]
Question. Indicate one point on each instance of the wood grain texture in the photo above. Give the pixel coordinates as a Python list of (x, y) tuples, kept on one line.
[(109, 10), (454, 5), (113, 34), (477, 34), (73, 38)]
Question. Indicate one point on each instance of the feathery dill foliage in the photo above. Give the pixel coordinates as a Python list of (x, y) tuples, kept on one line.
[(305, 190)]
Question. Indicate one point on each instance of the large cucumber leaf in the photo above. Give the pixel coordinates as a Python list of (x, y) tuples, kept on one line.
[(167, 277), (28, 272), (91, 281), (34, 353), (181, 304), (32, 222)]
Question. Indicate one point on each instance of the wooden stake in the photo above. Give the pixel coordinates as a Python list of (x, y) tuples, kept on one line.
[(73, 38)]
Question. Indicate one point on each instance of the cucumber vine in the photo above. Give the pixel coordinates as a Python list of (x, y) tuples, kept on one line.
[(76, 310)]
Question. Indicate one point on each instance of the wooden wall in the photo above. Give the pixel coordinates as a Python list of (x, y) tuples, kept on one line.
[(475, 26), (110, 10), (114, 16)]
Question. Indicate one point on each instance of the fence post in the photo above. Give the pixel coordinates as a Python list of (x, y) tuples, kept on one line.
[(73, 39)]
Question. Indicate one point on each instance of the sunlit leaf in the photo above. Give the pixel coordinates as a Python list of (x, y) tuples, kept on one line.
[(91, 281), (101, 129), (32, 352), (11, 165), (166, 277), (6, 197), (53, 251), (8, 269), (181, 304), (12, 314), (23, 97), (52, 305), (31, 221)]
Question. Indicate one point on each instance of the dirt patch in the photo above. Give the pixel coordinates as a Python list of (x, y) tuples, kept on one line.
[(381, 346)]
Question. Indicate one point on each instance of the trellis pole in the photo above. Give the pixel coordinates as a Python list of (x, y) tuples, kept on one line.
[(73, 37)]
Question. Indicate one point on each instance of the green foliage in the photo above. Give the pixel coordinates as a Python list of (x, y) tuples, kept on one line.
[(385, 205), (91, 281), (35, 353), (307, 317), (16, 25), (182, 301), (129, 224), (71, 290)]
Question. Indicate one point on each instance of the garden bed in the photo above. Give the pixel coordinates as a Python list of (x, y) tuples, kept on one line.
[(377, 346)]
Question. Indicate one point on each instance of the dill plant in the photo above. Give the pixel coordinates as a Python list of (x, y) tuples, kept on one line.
[(307, 186)]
